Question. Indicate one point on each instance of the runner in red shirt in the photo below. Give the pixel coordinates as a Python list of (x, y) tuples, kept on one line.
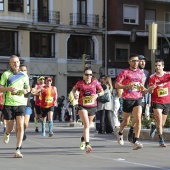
[(87, 104), (159, 87), (48, 101)]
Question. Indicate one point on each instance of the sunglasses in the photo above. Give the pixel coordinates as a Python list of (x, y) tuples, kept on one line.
[(134, 61), (88, 74)]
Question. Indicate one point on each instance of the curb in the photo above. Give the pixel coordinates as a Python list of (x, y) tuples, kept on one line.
[(144, 134)]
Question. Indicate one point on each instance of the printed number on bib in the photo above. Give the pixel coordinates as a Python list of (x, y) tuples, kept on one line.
[(88, 100), (48, 99), (162, 92)]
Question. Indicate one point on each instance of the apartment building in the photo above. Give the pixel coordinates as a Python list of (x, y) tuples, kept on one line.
[(126, 15), (50, 37)]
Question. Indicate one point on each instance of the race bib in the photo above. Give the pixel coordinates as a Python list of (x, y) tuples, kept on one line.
[(162, 92), (25, 101), (48, 99), (136, 86), (88, 100)]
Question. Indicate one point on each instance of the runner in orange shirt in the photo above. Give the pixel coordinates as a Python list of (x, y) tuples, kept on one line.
[(48, 101)]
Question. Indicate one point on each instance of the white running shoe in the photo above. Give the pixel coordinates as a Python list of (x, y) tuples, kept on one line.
[(6, 137), (120, 139), (17, 154), (137, 145)]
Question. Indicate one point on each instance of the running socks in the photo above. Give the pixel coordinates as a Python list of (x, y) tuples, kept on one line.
[(43, 126), (82, 139), (50, 125), (36, 122)]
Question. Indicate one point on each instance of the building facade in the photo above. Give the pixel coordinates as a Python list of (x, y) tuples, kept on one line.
[(50, 37), (127, 15)]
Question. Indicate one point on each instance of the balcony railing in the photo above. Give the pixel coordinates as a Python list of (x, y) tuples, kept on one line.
[(46, 16), (163, 26), (83, 19)]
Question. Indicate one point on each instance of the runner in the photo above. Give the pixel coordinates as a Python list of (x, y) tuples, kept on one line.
[(159, 87), (48, 101), (87, 104), (28, 110), (130, 80), (14, 84)]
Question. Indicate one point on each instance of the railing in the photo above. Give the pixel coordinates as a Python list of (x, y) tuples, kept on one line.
[(163, 26), (46, 16), (83, 19)]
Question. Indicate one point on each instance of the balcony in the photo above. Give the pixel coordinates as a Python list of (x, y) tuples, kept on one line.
[(163, 26), (83, 19), (46, 16)]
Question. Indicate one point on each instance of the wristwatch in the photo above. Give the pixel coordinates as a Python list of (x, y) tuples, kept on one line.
[(98, 94)]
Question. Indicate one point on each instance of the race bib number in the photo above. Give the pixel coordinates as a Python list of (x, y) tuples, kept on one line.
[(136, 86), (162, 92), (88, 100), (25, 101), (48, 99)]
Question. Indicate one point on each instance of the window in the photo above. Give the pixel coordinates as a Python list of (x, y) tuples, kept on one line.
[(15, 5), (130, 14), (8, 43), (43, 12), (150, 16), (1, 5), (79, 45), (42, 45), (122, 52), (81, 11), (28, 6)]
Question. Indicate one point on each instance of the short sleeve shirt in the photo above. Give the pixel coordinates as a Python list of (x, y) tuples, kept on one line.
[(18, 81), (161, 93), (128, 77), (86, 91)]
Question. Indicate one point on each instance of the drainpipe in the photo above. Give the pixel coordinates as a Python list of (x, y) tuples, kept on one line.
[(105, 39)]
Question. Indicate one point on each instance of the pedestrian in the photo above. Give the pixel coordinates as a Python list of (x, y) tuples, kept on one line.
[(117, 93), (130, 80), (48, 101), (28, 110), (106, 108), (159, 87), (87, 104), (36, 92), (146, 97), (14, 84)]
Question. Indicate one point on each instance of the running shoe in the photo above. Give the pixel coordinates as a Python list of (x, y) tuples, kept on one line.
[(137, 145), (130, 135), (82, 145), (18, 154), (162, 143), (6, 137), (24, 136), (88, 149), (50, 134), (153, 130), (120, 139), (36, 129)]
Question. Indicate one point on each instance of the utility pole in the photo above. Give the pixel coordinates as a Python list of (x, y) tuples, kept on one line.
[(152, 43)]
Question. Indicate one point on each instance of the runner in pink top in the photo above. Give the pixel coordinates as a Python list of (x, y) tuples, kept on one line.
[(89, 89), (159, 87), (130, 80)]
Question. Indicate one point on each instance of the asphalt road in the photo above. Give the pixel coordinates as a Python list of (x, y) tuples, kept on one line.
[(61, 152)]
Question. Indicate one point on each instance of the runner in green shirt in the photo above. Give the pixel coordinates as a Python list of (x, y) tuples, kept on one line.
[(14, 84)]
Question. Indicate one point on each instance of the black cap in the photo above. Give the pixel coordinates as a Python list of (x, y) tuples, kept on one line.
[(141, 57)]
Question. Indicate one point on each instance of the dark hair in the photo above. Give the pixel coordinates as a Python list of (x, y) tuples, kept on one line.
[(133, 55), (23, 65), (160, 61), (87, 68)]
